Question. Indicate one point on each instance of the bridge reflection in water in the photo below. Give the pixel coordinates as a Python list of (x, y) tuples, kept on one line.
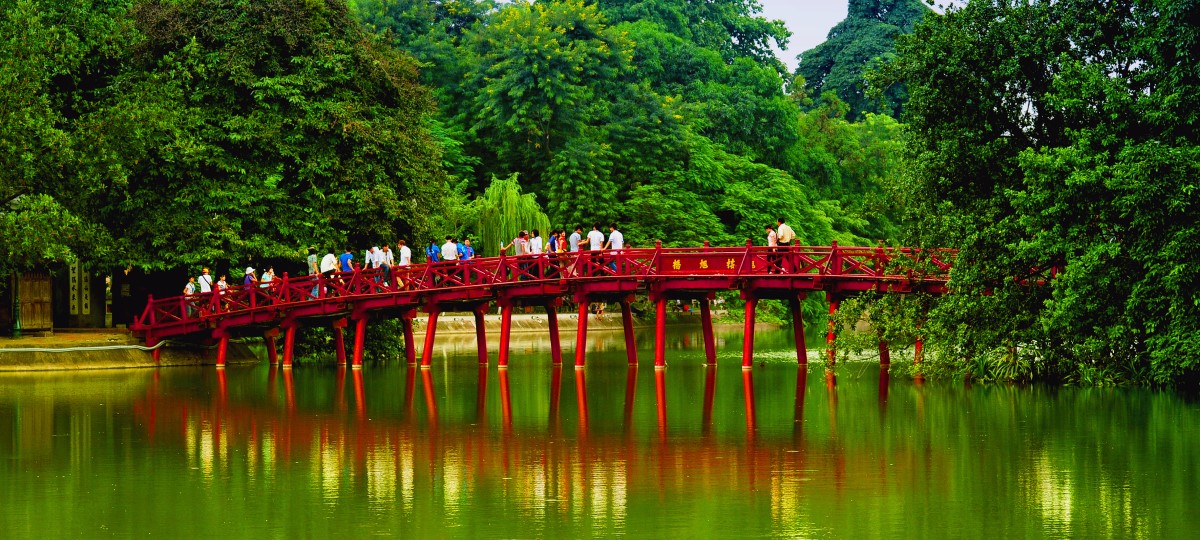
[(452, 448)]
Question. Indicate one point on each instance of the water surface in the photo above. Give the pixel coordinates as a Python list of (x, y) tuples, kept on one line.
[(538, 451)]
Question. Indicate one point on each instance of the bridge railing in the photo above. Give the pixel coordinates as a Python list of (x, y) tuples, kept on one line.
[(854, 263)]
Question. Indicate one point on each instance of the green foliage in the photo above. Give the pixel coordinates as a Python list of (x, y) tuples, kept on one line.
[(1077, 150), (858, 44), (502, 212)]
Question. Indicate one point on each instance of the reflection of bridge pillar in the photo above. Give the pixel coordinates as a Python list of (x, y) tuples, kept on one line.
[(798, 414), (710, 390), (552, 320), (710, 341), (748, 332), (289, 345), (555, 389), (505, 402), (660, 333), (660, 395), (481, 396), (798, 328), (627, 323), (360, 341), (581, 401), (430, 330), (748, 390), (630, 391), (339, 340), (360, 395), (410, 385), (272, 350), (481, 333), (505, 332), (430, 400), (339, 384), (410, 347), (581, 334)]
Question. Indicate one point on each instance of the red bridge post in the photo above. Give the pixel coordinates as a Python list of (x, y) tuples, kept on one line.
[(581, 334), (410, 347), (748, 331), (831, 334), (360, 341), (289, 345), (796, 304), (660, 332), (222, 347), (885, 356), (430, 330), (552, 320), (269, 341), (506, 308), (339, 340), (710, 341), (627, 323), (481, 333)]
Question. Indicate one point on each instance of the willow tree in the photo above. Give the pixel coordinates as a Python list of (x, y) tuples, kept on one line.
[(502, 212)]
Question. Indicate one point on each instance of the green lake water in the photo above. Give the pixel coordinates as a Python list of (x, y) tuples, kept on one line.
[(538, 451)]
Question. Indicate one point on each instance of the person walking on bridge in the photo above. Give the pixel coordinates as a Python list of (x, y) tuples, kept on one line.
[(205, 282), (616, 242), (786, 237), (772, 250)]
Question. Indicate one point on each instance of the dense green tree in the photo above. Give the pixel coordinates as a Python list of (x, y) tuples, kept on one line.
[(1061, 134), (501, 212), (252, 129), (856, 45)]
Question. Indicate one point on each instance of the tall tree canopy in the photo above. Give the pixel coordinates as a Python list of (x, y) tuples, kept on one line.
[(861, 42), (195, 131), (1063, 134)]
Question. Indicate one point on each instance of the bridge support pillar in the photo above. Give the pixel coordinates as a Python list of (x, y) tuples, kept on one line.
[(151, 342), (222, 349), (885, 355), (272, 349), (410, 347), (289, 345), (710, 341), (627, 323), (505, 333), (581, 334), (430, 330), (360, 341), (481, 333), (798, 329), (748, 333), (339, 340), (555, 344), (660, 333), (831, 334)]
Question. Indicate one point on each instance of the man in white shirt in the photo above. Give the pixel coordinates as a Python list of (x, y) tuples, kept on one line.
[(205, 281), (595, 238), (329, 265), (785, 237), (449, 250), (405, 253), (616, 242), (535, 243)]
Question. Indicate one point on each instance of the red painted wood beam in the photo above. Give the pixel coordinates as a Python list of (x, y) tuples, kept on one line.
[(339, 340), (748, 334), (481, 333), (555, 343), (222, 349), (410, 347), (798, 329), (710, 341), (289, 345), (505, 333), (660, 333), (360, 342), (627, 323), (430, 330), (885, 356), (581, 335)]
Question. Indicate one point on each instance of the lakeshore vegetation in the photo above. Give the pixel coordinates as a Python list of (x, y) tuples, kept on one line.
[(1053, 143)]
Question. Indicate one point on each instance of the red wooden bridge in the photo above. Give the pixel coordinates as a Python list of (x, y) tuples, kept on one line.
[(663, 274)]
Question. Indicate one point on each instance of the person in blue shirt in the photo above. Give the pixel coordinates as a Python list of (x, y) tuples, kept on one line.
[(346, 261), (433, 251), (465, 251)]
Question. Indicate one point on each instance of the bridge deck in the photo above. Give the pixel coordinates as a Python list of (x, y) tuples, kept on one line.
[(660, 273)]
